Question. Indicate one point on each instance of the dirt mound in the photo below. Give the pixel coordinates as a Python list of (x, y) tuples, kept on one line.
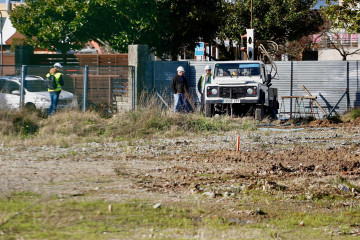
[(323, 123), (300, 160)]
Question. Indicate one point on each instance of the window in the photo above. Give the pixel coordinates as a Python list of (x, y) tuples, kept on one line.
[(2, 84), (35, 85), (11, 86), (236, 69)]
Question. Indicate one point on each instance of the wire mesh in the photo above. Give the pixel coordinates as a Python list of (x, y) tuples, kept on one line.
[(108, 86)]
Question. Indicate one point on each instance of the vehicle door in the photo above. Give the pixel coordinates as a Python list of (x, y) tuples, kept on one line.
[(11, 94), (3, 104)]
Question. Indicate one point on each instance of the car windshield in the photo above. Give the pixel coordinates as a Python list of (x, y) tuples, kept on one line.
[(237, 69), (35, 85)]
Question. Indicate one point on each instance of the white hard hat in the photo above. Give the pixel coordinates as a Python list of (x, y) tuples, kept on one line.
[(180, 69), (58, 65), (207, 67)]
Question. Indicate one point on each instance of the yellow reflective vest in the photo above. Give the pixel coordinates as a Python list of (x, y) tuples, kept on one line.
[(202, 83), (57, 80)]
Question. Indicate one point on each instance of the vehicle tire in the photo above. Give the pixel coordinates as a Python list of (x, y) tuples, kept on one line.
[(208, 110), (273, 109), (259, 113), (30, 106)]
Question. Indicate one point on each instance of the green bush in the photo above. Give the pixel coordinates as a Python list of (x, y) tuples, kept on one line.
[(355, 113), (23, 122)]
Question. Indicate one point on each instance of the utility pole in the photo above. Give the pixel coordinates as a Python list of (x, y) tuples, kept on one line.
[(251, 23)]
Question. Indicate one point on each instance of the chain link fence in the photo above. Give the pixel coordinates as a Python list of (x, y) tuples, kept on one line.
[(109, 88)]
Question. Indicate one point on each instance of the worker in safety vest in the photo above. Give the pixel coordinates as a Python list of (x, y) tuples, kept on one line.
[(55, 93), (203, 80)]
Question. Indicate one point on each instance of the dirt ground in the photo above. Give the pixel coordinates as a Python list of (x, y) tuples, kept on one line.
[(178, 165), (296, 160)]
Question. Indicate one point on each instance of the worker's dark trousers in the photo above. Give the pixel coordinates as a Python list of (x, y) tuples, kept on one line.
[(202, 103)]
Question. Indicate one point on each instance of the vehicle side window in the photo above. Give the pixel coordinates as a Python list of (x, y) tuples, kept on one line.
[(11, 86), (2, 84), (255, 71)]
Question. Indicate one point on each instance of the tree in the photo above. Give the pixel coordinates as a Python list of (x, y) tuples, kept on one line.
[(52, 24), (167, 26), (276, 20), (189, 22), (345, 15), (341, 20)]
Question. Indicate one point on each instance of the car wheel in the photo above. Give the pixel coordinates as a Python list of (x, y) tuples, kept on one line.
[(30, 106), (259, 112), (208, 110)]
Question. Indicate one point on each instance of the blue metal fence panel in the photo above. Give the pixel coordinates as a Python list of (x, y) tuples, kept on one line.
[(159, 75), (327, 80)]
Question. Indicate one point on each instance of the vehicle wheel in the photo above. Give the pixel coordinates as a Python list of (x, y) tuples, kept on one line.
[(208, 110), (273, 109), (30, 106), (259, 112)]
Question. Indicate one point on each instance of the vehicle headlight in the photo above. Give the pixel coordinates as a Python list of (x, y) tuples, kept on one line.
[(214, 91), (211, 91), (250, 91)]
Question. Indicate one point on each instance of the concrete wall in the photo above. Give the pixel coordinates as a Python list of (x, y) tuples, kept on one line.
[(138, 55), (332, 54)]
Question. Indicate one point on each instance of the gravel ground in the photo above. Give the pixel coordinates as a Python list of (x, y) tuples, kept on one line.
[(161, 168)]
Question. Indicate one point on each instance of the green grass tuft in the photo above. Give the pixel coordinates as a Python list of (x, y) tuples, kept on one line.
[(355, 113)]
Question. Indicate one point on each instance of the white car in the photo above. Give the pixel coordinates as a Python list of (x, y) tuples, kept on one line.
[(36, 94)]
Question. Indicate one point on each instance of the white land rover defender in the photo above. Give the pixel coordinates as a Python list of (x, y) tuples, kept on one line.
[(241, 88)]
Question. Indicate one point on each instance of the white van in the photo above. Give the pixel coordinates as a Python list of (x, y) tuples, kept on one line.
[(36, 94)]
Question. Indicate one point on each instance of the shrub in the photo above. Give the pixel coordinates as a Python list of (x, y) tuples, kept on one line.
[(355, 113)]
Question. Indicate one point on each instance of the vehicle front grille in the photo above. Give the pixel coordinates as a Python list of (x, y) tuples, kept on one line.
[(236, 92)]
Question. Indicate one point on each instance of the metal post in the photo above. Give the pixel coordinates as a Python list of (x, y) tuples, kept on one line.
[(251, 24), (333, 109), (210, 52), (291, 86), (231, 106), (86, 73), (133, 87), (348, 104), (23, 76)]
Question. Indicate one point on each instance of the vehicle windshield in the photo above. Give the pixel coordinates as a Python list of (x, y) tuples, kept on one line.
[(237, 69), (35, 85)]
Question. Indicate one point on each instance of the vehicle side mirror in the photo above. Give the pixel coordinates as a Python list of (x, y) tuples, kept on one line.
[(16, 92)]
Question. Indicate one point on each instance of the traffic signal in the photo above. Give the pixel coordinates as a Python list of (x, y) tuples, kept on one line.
[(250, 44)]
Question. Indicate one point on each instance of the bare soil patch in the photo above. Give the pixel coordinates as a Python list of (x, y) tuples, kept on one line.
[(202, 171)]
